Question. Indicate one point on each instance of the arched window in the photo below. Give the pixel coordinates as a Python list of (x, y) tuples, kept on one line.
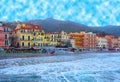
[(28, 37), (29, 44), (22, 43), (6, 42), (34, 33), (23, 37), (5, 36)]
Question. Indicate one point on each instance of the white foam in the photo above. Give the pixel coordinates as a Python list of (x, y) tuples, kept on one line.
[(93, 66)]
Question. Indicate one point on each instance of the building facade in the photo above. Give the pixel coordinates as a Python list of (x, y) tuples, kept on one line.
[(119, 42), (76, 40), (115, 43), (65, 41), (28, 36), (55, 38), (89, 40), (109, 40), (101, 42), (5, 33)]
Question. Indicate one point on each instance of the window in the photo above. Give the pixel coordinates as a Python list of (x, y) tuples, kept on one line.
[(34, 44), (0, 24), (42, 34), (6, 42), (22, 43), (22, 30), (22, 37), (29, 31), (29, 44), (28, 37), (34, 33), (6, 29), (5, 36), (38, 44), (34, 39)]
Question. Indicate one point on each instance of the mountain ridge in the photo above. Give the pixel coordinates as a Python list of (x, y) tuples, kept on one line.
[(54, 25)]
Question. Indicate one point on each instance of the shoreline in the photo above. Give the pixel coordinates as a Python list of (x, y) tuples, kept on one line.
[(28, 55)]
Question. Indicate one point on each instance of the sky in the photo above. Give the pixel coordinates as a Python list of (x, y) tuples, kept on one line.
[(88, 12)]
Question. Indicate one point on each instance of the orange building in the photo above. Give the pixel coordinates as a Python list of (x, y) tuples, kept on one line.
[(76, 40), (109, 39)]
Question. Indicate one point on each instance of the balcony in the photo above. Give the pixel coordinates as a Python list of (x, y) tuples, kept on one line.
[(36, 40), (25, 39)]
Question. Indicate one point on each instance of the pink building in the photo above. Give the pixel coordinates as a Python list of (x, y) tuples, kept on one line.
[(89, 40), (4, 36), (112, 41), (119, 42), (115, 43)]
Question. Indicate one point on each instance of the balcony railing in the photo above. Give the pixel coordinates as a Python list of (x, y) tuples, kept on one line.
[(26, 39)]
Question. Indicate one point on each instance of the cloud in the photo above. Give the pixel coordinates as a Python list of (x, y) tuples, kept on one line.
[(95, 12)]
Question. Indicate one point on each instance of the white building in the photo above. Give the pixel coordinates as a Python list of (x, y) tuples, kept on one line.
[(101, 42), (72, 42)]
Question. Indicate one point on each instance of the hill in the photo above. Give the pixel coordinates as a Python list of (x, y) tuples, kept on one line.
[(53, 25)]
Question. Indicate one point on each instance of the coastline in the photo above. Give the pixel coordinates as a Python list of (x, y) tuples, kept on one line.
[(29, 55)]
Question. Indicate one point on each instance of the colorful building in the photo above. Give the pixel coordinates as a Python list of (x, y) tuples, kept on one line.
[(109, 40), (76, 40), (89, 40), (28, 35), (39, 37), (115, 43), (55, 38), (65, 41), (64, 35), (119, 42), (5, 33), (101, 42), (2, 37), (47, 39)]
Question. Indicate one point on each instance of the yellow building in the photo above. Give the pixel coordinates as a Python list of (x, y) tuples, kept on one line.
[(28, 35), (64, 36), (47, 40), (55, 38), (65, 41), (39, 38)]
